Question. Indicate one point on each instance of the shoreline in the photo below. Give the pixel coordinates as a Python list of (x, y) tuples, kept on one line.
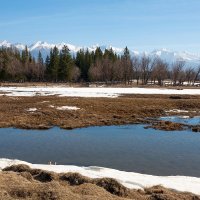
[(130, 180)]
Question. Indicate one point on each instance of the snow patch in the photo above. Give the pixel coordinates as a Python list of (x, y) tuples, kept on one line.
[(129, 179), (45, 102), (67, 108), (185, 117), (51, 106), (64, 107), (90, 92), (32, 109), (177, 111)]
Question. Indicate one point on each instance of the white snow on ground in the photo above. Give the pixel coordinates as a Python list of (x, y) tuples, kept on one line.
[(51, 106), (185, 117), (177, 111), (44, 101), (128, 179), (32, 109), (67, 108), (64, 107), (90, 92)]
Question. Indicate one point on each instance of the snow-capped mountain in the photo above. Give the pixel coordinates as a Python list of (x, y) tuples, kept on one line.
[(173, 56), (164, 54)]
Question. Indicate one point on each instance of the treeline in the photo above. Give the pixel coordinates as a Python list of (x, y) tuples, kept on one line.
[(96, 66), (20, 67)]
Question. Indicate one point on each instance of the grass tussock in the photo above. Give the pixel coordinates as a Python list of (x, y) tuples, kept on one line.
[(22, 182)]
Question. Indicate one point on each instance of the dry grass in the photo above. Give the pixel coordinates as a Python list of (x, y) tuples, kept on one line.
[(166, 125), (21, 182), (93, 111), (116, 85)]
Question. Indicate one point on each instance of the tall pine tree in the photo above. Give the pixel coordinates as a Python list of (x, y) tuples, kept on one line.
[(54, 64), (65, 65)]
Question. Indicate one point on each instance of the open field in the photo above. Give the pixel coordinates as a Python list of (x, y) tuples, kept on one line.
[(47, 110)]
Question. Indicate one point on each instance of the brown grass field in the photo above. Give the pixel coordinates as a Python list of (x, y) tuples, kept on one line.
[(21, 182), (128, 109)]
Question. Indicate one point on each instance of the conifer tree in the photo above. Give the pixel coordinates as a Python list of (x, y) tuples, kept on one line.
[(80, 62), (66, 65), (127, 66), (40, 59), (25, 56), (48, 69), (98, 54), (126, 54), (54, 64)]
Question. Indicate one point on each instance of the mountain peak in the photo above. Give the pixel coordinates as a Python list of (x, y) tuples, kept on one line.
[(164, 53), (5, 43)]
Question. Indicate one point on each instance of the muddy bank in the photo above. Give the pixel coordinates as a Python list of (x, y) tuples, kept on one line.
[(171, 126), (45, 112), (22, 182)]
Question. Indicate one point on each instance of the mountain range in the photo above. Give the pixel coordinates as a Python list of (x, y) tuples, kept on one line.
[(165, 54)]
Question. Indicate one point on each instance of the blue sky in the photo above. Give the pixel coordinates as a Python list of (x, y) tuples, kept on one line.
[(139, 24)]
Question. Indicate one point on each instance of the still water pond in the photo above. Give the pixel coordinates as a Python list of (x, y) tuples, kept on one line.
[(183, 119), (129, 148)]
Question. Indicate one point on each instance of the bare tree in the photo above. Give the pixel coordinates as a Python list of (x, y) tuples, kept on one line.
[(75, 74), (136, 68), (146, 67), (95, 71), (197, 76), (177, 74), (127, 68), (160, 71), (190, 75)]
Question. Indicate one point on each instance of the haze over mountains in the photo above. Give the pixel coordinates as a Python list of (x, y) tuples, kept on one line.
[(165, 54)]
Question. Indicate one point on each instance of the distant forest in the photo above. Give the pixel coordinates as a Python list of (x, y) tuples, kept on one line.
[(95, 66)]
